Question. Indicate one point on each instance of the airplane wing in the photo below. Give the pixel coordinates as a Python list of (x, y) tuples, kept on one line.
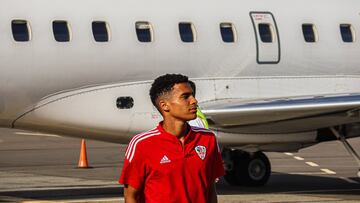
[(281, 115)]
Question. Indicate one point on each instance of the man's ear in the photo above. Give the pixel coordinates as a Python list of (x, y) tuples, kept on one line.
[(164, 105)]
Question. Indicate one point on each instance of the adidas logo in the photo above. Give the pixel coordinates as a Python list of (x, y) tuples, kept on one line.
[(164, 160)]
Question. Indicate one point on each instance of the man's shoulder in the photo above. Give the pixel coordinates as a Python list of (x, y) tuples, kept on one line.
[(138, 142), (145, 135), (202, 131), (204, 135)]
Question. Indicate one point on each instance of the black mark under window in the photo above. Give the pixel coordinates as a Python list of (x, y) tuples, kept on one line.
[(144, 31), (347, 33), (187, 32), (265, 33), (309, 33), (20, 30), (227, 32), (124, 102), (61, 31), (100, 31)]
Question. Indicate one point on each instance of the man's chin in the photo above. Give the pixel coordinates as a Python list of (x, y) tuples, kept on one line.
[(193, 117), (188, 117)]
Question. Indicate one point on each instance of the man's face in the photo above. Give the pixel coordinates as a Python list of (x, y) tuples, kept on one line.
[(180, 103)]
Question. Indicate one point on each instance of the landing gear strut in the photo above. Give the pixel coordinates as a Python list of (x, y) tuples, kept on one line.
[(348, 147), (248, 169)]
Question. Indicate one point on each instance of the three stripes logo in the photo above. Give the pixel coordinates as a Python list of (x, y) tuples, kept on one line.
[(164, 160)]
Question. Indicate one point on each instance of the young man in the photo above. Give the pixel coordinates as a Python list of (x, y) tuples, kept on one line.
[(173, 162)]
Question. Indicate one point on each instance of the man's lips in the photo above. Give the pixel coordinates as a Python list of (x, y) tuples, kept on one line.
[(193, 110)]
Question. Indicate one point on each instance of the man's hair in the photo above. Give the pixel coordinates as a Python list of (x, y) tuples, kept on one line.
[(164, 84), (193, 86)]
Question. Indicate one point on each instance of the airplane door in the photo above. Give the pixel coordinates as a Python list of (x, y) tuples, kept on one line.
[(267, 37)]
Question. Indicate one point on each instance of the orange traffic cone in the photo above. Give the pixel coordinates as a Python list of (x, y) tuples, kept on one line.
[(83, 163)]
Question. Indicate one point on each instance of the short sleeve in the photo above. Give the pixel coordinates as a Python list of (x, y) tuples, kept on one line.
[(218, 169), (133, 171)]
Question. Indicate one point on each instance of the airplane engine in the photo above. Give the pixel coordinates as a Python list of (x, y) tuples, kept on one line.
[(108, 113)]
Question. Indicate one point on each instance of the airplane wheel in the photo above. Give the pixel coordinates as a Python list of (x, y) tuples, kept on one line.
[(249, 169), (258, 170), (233, 176)]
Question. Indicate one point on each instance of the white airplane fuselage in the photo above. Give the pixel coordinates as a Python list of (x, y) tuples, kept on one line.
[(71, 88)]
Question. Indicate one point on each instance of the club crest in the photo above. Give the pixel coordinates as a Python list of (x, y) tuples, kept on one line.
[(201, 151)]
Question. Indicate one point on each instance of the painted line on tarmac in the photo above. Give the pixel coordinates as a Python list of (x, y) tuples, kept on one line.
[(63, 188), (37, 134), (312, 164), (298, 158), (325, 171), (349, 180), (117, 199), (328, 171), (308, 173), (318, 191)]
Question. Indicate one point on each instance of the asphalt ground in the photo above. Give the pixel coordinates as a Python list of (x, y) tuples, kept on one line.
[(37, 167)]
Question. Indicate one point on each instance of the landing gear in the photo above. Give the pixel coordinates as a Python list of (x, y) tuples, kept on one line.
[(247, 169), (352, 152)]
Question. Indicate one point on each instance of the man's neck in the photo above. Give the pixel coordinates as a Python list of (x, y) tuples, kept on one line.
[(177, 128)]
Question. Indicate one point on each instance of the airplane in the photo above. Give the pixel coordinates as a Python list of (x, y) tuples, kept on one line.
[(271, 76)]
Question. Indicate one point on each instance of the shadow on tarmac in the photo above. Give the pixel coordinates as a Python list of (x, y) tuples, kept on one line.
[(65, 193), (279, 183), (295, 184)]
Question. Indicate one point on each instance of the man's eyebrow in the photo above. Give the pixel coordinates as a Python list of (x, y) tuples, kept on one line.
[(187, 93)]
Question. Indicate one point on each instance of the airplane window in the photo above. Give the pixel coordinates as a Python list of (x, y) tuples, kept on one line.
[(100, 31), (20, 30), (227, 32), (265, 33), (309, 33), (144, 31), (61, 31), (187, 32), (347, 33)]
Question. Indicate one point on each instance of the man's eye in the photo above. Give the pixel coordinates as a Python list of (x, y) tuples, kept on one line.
[(186, 96)]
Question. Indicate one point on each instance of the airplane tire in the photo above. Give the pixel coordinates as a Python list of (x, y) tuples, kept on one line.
[(258, 170), (248, 169), (233, 177)]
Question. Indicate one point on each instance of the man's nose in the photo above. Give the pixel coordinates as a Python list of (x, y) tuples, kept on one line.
[(193, 100)]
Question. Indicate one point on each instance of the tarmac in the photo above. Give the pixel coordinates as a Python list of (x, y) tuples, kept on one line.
[(36, 167)]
